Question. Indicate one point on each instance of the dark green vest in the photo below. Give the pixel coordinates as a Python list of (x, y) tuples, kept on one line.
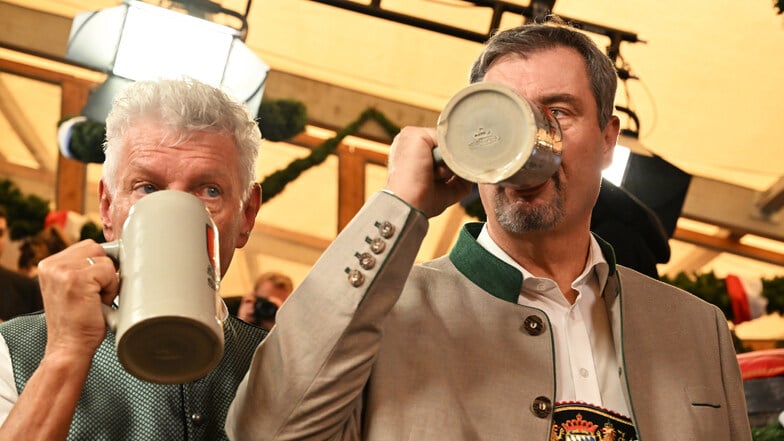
[(115, 405)]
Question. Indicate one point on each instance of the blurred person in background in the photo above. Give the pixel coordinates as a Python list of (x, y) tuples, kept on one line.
[(34, 249), (269, 292), (18, 294)]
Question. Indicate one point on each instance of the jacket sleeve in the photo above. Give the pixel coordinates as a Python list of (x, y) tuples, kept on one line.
[(740, 429), (306, 378)]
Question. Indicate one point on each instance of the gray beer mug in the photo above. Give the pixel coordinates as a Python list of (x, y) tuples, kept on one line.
[(167, 323), (488, 134)]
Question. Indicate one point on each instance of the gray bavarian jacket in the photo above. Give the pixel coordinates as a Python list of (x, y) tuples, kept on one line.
[(356, 355)]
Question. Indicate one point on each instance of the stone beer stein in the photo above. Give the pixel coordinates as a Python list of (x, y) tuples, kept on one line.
[(168, 324), (488, 134)]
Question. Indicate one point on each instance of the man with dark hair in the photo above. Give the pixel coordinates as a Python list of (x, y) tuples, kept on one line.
[(528, 329), (18, 294)]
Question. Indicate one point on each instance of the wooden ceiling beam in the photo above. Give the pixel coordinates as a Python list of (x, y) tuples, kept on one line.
[(729, 245), (15, 114), (71, 176)]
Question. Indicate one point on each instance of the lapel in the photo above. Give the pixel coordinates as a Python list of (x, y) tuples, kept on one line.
[(482, 267), (505, 281), (613, 301)]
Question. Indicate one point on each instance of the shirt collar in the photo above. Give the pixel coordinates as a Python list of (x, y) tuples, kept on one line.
[(482, 267), (497, 273), (595, 262)]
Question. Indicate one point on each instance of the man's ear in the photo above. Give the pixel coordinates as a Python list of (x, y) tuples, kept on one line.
[(104, 205), (610, 135), (249, 211)]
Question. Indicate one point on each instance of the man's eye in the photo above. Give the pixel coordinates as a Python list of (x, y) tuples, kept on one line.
[(146, 188), (212, 192), (557, 112)]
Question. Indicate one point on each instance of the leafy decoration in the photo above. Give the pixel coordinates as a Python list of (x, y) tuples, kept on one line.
[(280, 120), (26, 214), (772, 432), (277, 181), (705, 286), (773, 290), (87, 140)]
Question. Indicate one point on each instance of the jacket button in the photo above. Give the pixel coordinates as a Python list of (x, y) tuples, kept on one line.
[(366, 260), (377, 245), (533, 325), (356, 278), (197, 419), (386, 229), (542, 407)]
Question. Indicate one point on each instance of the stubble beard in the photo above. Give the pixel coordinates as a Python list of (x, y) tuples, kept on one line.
[(522, 217)]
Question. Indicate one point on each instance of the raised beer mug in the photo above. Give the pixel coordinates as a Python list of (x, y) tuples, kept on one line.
[(168, 324), (488, 134)]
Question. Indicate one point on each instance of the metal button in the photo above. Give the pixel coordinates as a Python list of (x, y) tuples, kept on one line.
[(533, 325), (377, 245), (366, 260), (386, 229), (356, 278), (197, 419), (542, 407)]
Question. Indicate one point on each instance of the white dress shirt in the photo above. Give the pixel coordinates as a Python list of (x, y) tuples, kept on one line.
[(586, 365)]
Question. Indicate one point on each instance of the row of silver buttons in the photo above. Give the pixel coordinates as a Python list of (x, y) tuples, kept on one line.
[(367, 260)]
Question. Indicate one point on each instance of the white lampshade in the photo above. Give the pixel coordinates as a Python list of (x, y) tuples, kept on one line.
[(140, 41), (627, 144), (615, 172)]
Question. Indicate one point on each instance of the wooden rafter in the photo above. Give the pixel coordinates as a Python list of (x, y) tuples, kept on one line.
[(24, 129)]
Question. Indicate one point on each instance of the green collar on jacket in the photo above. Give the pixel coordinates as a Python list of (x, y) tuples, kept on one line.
[(491, 273)]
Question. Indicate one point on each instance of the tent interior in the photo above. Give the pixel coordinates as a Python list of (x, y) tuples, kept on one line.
[(693, 67)]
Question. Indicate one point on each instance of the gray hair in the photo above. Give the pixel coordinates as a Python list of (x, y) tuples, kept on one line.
[(532, 38), (184, 106)]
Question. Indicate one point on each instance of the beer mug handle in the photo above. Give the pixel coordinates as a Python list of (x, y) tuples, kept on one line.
[(110, 314), (438, 159)]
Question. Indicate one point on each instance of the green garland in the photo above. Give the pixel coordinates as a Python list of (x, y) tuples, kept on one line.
[(772, 432), (280, 120), (25, 214), (273, 184), (714, 290)]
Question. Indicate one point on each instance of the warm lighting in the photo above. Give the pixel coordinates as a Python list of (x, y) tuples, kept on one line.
[(137, 41), (158, 42), (616, 171), (627, 144)]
